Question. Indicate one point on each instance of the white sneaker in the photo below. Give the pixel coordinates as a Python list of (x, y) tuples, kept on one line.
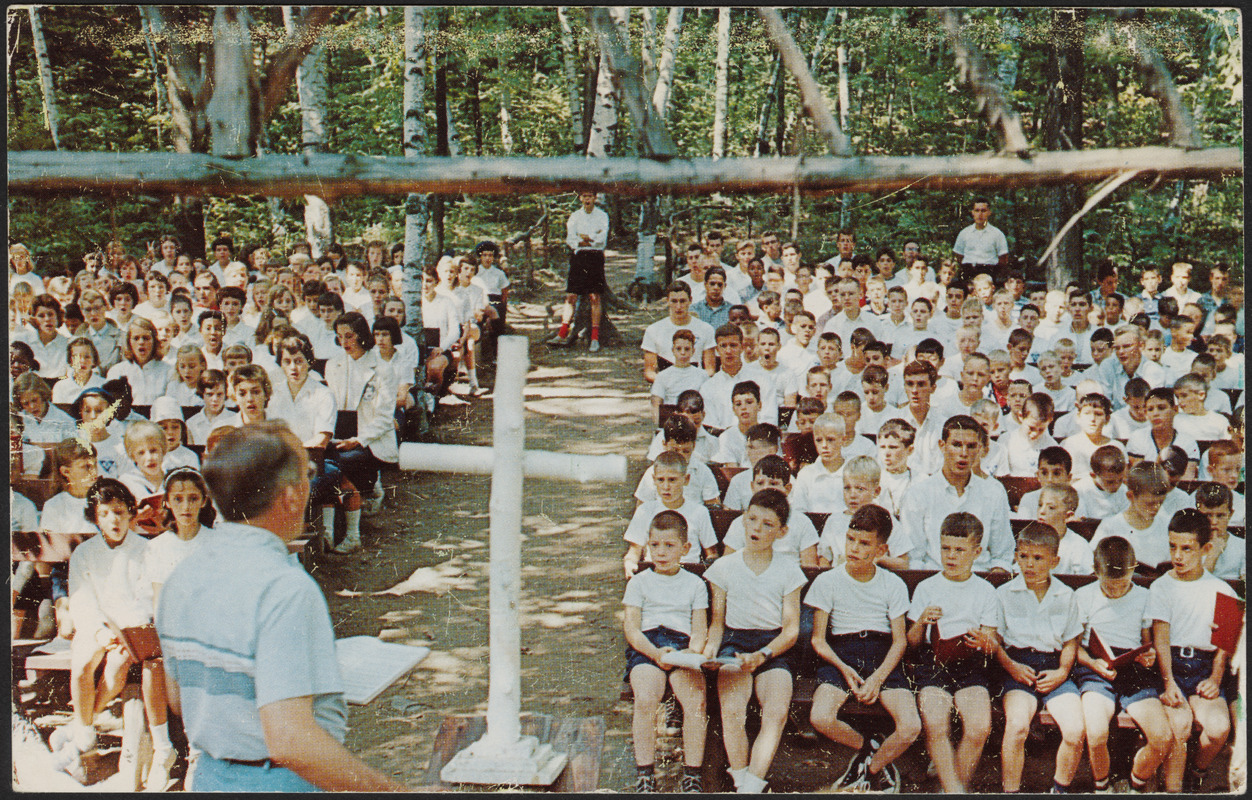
[(594, 347), (159, 773), (348, 545), (128, 772)]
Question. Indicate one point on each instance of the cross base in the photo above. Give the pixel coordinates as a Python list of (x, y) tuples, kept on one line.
[(525, 763)]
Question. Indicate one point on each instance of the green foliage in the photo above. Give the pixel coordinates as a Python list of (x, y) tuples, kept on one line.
[(903, 99)]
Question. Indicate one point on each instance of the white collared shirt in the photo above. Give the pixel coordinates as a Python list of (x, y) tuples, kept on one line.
[(1027, 621), (931, 499)]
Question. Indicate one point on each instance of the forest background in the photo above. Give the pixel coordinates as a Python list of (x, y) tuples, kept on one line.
[(523, 81)]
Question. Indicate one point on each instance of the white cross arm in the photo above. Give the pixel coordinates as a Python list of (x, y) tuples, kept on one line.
[(471, 460)]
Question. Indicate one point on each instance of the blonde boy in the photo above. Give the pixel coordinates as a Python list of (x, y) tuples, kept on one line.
[(1141, 524), (818, 486), (1193, 419), (861, 477), (1093, 413), (682, 375), (1225, 466)]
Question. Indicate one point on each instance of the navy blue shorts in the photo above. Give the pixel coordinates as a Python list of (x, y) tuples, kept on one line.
[(951, 676), (863, 653), (586, 272), (749, 640), (1133, 683), (660, 637), (1189, 670), (1038, 661)]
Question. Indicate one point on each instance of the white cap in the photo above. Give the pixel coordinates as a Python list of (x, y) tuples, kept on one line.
[(164, 408)]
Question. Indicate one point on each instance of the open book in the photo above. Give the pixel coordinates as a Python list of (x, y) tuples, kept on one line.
[(368, 665), (949, 650), (698, 661), (1099, 649)]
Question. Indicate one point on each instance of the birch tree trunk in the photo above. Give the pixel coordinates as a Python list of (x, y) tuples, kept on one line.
[(647, 47), (506, 133), (232, 133), (722, 87), (665, 69), (604, 119), (649, 210), (1062, 130), (568, 58), (311, 86), (416, 209), (14, 39), (45, 77), (841, 54)]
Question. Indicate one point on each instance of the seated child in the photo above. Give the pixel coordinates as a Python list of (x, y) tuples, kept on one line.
[(1015, 397), (800, 541), (1040, 643), (848, 406), (1181, 605), (1092, 416), (762, 441), (106, 583), (84, 372), (1225, 466), (683, 375), (1130, 417), (666, 610), (1102, 492), (1057, 503), (669, 474), (1017, 453), (235, 356), (1176, 463), (1141, 523), (874, 411), (1053, 470), (691, 406), (189, 366), (895, 445), (1050, 382), (786, 383), (798, 447), (955, 603), (212, 390), (95, 410), (1229, 372), (1227, 560), (756, 620), (1205, 366), (1193, 419), (1114, 608), (1148, 442), (818, 484), (143, 475), (189, 513), (860, 489), (745, 403), (680, 437), (1001, 367), (169, 416), (859, 632)]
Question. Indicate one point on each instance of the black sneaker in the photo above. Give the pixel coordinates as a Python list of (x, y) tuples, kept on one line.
[(857, 769), (691, 784), (887, 781), (645, 784)]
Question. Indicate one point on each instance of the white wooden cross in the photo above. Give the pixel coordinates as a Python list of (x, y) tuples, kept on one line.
[(503, 755)]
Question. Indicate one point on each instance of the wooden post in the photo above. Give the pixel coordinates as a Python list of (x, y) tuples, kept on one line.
[(503, 755)]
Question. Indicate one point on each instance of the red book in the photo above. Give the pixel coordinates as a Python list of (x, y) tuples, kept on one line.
[(1099, 649), (1227, 622), (949, 650)]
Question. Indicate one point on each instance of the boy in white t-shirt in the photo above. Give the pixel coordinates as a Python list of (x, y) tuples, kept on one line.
[(745, 404), (860, 488), (681, 376), (755, 621), (763, 441), (1227, 560), (1057, 504), (1193, 419), (895, 445), (680, 437), (1181, 606), (1225, 466), (818, 485), (1131, 416), (955, 603), (800, 541), (1142, 524), (1113, 607), (859, 634), (1102, 492), (1017, 453), (665, 611), (669, 474), (1093, 413), (1054, 470), (691, 406)]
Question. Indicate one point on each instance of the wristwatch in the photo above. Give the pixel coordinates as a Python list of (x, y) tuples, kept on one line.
[(765, 651)]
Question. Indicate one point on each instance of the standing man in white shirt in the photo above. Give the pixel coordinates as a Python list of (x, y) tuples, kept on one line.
[(981, 247), (586, 234)]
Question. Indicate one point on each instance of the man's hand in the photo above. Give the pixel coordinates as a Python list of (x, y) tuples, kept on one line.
[(347, 444)]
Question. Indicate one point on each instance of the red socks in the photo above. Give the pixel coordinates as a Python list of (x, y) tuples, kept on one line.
[(564, 331), (595, 333)]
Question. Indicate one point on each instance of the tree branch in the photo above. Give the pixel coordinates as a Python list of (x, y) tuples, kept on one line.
[(628, 77), (280, 76), (42, 173), (1157, 82), (973, 70), (811, 93)]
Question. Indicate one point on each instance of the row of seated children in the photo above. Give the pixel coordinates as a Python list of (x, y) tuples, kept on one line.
[(1028, 642), (114, 580)]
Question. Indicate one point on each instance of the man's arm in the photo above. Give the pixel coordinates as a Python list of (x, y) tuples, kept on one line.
[(295, 741)]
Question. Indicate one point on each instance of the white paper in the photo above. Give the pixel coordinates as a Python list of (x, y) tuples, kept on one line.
[(368, 665), (681, 659), (57, 645)]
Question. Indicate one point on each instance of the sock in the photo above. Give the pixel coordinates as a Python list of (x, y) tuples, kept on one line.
[(1058, 787), (328, 523), (353, 530), (736, 775), (564, 331), (595, 333), (473, 378), (1102, 783), (645, 770), (161, 736), (1137, 785)]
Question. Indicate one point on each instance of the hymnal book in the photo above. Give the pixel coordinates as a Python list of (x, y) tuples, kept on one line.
[(683, 659), (368, 665), (1227, 622), (1099, 649), (952, 649)]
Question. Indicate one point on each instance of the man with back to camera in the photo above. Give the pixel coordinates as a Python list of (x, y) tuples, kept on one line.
[(255, 678), (981, 247), (586, 234)]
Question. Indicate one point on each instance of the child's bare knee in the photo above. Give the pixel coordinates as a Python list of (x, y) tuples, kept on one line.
[(909, 726)]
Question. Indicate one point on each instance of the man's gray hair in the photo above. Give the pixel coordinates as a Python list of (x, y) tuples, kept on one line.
[(250, 466)]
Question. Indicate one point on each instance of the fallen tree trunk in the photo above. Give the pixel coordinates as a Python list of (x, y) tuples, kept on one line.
[(331, 176)]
